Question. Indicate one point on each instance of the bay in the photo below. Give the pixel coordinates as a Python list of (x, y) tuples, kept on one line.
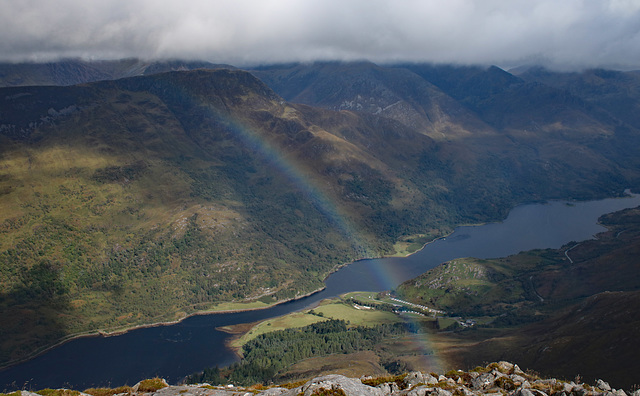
[(174, 351)]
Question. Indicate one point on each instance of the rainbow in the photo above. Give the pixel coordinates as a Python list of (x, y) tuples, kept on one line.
[(273, 155), (292, 171), (383, 274)]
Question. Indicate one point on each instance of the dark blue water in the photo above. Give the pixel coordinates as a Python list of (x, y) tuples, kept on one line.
[(174, 351)]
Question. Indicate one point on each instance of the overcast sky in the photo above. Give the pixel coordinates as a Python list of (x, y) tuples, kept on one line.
[(557, 33)]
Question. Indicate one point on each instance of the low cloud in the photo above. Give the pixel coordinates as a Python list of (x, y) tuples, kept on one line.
[(566, 34)]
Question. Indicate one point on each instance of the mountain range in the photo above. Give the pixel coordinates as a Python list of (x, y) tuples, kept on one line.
[(136, 192)]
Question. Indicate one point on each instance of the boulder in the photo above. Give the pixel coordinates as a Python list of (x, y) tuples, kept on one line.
[(350, 386), (603, 385), (483, 381), (413, 379)]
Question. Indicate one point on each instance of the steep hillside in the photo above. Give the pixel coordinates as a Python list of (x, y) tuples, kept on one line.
[(385, 91), (616, 91)]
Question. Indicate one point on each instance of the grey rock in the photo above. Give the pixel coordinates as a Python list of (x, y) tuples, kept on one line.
[(451, 383), (484, 381), (578, 391), (505, 367), (193, 390), (524, 392), (440, 392), (463, 390), (474, 374), (430, 379), (603, 385), (389, 388), (422, 390), (550, 382), (618, 392), (188, 391), (273, 391), (350, 386), (537, 392), (517, 370), (517, 379), (414, 378)]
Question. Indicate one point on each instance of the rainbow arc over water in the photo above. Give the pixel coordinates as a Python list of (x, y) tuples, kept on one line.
[(285, 164), (256, 139)]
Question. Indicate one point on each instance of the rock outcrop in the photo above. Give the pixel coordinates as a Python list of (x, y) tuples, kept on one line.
[(496, 379)]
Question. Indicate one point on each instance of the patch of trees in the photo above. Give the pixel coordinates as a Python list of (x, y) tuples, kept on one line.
[(270, 353), (126, 173)]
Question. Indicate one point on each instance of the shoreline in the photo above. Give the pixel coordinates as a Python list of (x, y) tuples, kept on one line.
[(116, 332)]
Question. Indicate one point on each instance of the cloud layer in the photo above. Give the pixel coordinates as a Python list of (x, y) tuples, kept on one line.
[(567, 33)]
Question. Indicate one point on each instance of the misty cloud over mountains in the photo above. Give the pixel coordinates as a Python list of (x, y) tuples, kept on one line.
[(566, 34)]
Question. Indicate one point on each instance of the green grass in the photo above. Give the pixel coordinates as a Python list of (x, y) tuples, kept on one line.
[(356, 317), (239, 306), (151, 385), (334, 308), (294, 320), (412, 243), (108, 391), (58, 392)]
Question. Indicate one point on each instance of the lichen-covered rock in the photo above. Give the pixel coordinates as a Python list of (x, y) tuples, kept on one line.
[(522, 392), (603, 385), (274, 392), (414, 378), (484, 381), (389, 388), (422, 390), (335, 383), (505, 367)]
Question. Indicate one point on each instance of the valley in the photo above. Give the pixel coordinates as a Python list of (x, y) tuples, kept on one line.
[(537, 307), (186, 347), (145, 195)]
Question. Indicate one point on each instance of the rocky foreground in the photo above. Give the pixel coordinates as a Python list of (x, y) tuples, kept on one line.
[(498, 379)]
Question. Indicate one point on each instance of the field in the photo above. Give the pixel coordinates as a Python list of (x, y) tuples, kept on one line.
[(335, 308)]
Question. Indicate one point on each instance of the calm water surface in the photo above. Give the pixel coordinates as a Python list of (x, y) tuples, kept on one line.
[(174, 351)]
